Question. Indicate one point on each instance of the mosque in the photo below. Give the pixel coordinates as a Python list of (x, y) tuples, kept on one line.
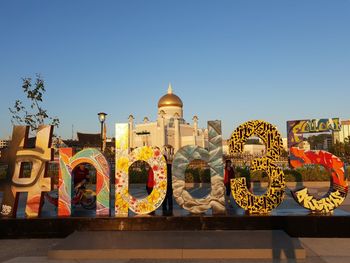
[(170, 131)]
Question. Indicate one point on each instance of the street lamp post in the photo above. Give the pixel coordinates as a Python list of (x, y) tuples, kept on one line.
[(102, 118)]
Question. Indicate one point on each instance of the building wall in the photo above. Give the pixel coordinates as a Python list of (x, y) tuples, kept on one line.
[(285, 144), (150, 139), (170, 112), (186, 130), (327, 144), (4, 143), (254, 149), (187, 135), (343, 133)]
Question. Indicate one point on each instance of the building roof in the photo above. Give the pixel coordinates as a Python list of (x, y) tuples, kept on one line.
[(170, 99), (89, 139)]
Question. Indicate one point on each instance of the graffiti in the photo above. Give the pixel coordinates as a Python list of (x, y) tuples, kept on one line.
[(37, 182), (323, 205), (68, 163), (339, 185), (154, 158), (296, 128), (275, 191), (182, 159)]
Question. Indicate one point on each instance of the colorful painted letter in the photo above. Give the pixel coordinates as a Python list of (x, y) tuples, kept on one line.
[(154, 158), (68, 163), (273, 142), (182, 159), (339, 186)]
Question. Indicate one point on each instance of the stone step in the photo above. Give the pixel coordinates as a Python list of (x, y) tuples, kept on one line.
[(245, 244)]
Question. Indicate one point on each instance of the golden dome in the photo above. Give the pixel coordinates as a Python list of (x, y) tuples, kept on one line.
[(170, 99)]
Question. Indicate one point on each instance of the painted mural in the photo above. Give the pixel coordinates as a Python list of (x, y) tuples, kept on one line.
[(257, 204), (67, 164), (296, 128), (154, 158), (215, 200), (339, 185)]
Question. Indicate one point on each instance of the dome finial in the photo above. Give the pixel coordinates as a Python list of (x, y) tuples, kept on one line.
[(170, 89)]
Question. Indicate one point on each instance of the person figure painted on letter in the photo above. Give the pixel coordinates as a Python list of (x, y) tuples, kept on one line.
[(81, 176)]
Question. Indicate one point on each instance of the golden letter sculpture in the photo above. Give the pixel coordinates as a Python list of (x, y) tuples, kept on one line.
[(182, 159), (259, 204), (339, 184), (153, 156), (37, 182)]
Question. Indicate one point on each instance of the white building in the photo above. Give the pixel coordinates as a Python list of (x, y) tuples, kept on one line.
[(285, 144), (253, 146), (344, 132), (170, 130), (4, 143), (254, 149)]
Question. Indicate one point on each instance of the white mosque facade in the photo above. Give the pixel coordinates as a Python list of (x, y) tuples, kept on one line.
[(170, 131)]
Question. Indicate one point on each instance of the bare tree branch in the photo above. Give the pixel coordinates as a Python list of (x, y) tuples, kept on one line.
[(32, 113)]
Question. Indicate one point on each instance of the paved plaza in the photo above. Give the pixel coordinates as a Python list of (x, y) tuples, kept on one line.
[(317, 249)]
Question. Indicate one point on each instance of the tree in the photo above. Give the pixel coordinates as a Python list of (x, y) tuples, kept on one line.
[(317, 141), (347, 139), (338, 149), (32, 112)]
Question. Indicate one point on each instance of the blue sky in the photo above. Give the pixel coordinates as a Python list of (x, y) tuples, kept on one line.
[(228, 60)]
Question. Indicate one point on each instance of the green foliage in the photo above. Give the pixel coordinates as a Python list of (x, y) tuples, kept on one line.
[(313, 173), (292, 175), (317, 141), (3, 171), (32, 113), (251, 176), (342, 150), (138, 173), (197, 175), (305, 173)]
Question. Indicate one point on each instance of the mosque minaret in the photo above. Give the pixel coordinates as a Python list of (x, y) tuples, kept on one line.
[(170, 131)]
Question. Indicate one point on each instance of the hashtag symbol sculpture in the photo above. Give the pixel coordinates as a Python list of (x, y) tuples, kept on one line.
[(36, 182)]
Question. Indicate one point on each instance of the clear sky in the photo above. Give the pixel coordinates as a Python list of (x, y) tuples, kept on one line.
[(228, 60)]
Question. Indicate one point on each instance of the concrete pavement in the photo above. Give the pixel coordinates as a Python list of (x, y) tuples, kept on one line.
[(318, 250)]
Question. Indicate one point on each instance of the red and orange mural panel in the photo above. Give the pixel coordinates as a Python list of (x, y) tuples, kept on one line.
[(339, 185)]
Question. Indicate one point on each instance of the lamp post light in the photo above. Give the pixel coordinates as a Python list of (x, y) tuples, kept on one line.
[(102, 118)]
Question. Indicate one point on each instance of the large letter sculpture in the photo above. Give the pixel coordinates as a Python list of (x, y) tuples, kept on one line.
[(67, 164), (339, 186), (182, 159), (273, 142), (37, 182), (154, 158), (297, 128)]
